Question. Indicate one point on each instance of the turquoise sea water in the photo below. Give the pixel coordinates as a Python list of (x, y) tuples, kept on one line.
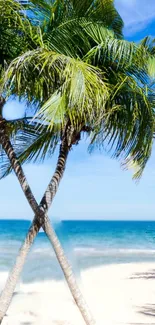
[(87, 244)]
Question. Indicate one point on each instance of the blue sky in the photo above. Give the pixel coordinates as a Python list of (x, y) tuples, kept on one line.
[(138, 16), (94, 186)]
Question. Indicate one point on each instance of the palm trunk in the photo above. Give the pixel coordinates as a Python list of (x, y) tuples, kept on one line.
[(44, 222), (65, 266), (69, 275), (7, 293), (58, 174)]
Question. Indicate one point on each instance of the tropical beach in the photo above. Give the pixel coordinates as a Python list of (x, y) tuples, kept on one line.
[(115, 271), (120, 294), (77, 178)]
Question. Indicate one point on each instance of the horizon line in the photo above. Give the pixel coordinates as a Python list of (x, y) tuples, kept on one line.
[(83, 220)]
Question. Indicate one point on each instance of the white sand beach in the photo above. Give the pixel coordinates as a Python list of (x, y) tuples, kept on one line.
[(117, 295)]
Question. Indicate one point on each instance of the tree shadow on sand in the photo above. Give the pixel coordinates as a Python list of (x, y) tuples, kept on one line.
[(144, 275), (148, 310), (142, 324)]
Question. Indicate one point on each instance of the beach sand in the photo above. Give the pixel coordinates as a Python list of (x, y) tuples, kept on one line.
[(117, 294)]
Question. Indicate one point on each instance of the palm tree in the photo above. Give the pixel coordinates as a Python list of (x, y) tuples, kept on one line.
[(7, 147), (39, 220), (81, 98)]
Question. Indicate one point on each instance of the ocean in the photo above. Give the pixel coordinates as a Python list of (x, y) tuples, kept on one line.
[(113, 261), (87, 244)]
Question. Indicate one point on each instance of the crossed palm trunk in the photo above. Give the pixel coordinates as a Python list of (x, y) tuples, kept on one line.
[(40, 220)]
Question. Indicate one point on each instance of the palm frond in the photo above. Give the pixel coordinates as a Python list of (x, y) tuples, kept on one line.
[(52, 13), (31, 142), (83, 89), (4, 163), (48, 14), (111, 51), (16, 32), (73, 87), (61, 22), (128, 130), (97, 32), (149, 44), (104, 11), (69, 38), (38, 145), (151, 66)]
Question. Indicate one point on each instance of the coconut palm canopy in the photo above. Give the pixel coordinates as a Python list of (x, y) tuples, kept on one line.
[(81, 71)]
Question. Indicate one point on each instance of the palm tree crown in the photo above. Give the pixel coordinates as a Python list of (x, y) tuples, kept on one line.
[(85, 74)]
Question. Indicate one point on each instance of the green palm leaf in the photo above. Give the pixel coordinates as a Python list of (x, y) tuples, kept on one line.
[(75, 86), (52, 13), (128, 130), (31, 142)]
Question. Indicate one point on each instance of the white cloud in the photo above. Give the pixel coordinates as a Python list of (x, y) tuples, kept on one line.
[(14, 109), (137, 14)]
